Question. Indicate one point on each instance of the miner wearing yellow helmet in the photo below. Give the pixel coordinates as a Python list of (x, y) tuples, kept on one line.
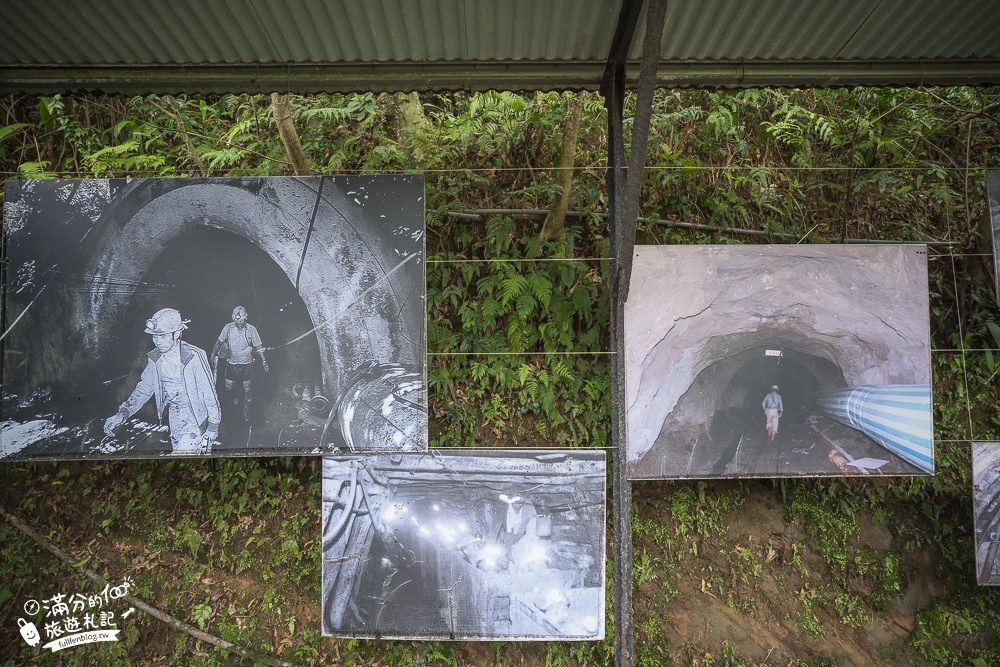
[(178, 376)]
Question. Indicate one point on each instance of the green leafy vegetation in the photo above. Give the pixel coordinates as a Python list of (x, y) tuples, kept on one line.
[(518, 340)]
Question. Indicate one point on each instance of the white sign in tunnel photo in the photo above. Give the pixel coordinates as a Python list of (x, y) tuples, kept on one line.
[(993, 192), (986, 510), (778, 361), (465, 545), (213, 317)]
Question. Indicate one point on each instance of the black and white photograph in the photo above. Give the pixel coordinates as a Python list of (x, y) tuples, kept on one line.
[(986, 510), (465, 545), (993, 192), (213, 317), (778, 361)]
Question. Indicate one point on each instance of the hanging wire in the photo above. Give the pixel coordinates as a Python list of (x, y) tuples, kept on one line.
[(476, 215), (581, 353), (961, 337), (148, 173), (517, 260)]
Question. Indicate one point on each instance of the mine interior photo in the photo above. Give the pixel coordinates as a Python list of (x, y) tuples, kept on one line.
[(433, 547), (833, 339), (205, 274), (986, 503), (338, 312), (723, 430)]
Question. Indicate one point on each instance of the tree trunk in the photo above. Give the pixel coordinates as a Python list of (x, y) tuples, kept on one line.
[(412, 121), (556, 218), (282, 111)]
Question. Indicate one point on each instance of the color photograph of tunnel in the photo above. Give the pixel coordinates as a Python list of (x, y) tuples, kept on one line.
[(986, 510), (213, 317), (774, 361), (465, 545), (993, 192)]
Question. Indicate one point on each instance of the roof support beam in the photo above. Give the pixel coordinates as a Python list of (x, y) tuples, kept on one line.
[(623, 199), (474, 76)]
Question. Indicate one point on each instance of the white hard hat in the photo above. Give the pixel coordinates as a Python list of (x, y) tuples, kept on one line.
[(164, 321)]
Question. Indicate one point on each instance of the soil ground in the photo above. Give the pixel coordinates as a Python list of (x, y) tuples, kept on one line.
[(745, 591), (724, 572)]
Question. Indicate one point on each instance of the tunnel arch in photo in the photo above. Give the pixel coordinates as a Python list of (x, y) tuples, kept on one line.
[(863, 310), (344, 265), (737, 380)]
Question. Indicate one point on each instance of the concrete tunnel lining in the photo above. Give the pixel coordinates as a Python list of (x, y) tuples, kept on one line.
[(362, 315), (863, 308), (239, 272)]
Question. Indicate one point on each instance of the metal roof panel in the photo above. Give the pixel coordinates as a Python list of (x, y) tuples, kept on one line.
[(299, 31), (928, 29), (155, 45), (763, 29)]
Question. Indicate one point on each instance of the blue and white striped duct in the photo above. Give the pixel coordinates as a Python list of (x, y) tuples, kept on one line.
[(896, 416)]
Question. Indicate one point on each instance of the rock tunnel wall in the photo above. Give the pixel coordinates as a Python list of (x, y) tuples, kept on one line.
[(740, 364), (359, 273), (864, 309)]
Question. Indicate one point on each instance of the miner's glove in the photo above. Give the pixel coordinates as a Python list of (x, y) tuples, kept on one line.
[(113, 422)]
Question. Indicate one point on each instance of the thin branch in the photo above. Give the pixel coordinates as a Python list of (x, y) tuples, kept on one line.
[(131, 599), (177, 118), (985, 110)]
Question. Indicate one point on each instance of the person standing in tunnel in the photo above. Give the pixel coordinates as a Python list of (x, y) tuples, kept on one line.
[(178, 376), (518, 519), (236, 344), (773, 409)]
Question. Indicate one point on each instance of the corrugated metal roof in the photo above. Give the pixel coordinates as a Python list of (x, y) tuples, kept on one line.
[(849, 30), (306, 45), (763, 30), (929, 29), (93, 32)]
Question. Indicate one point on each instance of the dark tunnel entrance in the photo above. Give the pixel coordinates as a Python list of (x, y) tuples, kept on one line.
[(797, 375), (204, 274), (718, 427)]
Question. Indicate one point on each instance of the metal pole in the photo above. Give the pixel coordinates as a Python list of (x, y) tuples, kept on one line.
[(621, 487), (623, 201), (613, 89)]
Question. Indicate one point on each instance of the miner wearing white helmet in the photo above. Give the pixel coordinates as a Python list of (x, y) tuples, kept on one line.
[(178, 376), (237, 344)]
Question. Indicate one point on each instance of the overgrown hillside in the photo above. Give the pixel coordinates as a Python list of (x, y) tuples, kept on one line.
[(790, 572)]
